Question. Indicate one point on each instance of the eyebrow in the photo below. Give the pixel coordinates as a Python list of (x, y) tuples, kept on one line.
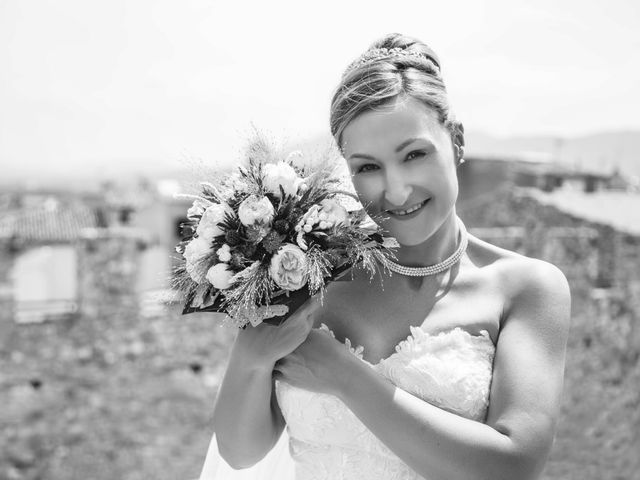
[(398, 149)]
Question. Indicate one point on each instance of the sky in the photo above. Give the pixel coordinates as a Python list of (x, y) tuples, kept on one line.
[(92, 86)]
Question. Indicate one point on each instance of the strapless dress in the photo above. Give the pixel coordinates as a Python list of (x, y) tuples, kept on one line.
[(451, 370)]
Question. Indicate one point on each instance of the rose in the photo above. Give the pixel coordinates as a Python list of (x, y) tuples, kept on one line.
[(332, 213), (288, 267), (195, 250), (281, 174), (254, 209), (208, 226), (220, 276)]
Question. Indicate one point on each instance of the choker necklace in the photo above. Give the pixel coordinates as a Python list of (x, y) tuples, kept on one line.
[(438, 267)]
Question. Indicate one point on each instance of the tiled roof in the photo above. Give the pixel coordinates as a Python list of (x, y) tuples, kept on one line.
[(46, 223)]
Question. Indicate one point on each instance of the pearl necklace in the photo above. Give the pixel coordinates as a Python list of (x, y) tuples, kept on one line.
[(438, 267)]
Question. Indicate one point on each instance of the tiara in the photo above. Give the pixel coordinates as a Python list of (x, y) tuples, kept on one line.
[(378, 53)]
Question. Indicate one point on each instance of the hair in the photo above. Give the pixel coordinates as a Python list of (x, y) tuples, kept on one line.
[(378, 82)]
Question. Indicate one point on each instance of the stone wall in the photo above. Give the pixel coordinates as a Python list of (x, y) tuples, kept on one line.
[(598, 435), (6, 288), (108, 261), (108, 393)]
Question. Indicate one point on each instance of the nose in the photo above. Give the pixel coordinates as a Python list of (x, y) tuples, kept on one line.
[(397, 191)]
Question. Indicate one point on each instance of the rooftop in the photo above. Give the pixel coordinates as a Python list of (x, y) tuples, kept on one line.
[(50, 221), (620, 210)]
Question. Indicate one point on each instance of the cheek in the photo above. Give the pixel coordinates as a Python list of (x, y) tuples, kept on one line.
[(369, 188)]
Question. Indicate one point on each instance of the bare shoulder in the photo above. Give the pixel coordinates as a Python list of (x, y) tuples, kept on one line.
[(517, 272), (531, 285), (531, 279), (525, 282)]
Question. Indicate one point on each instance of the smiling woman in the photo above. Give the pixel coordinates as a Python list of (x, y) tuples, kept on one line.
[(403, 163), (452, 367)]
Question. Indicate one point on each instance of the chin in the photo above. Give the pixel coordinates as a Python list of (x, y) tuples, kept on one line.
[(409, 237), (407, 240)]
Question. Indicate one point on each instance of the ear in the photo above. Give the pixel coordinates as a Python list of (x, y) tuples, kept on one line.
[(459, 154), (458, 134), (458, 140)]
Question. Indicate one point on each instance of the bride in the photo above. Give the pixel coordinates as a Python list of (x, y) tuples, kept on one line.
[(450, 368)]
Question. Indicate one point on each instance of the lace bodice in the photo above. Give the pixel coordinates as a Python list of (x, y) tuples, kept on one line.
[(451, 370)]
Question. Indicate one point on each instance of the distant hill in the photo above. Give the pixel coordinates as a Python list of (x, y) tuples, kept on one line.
[(599, 152)]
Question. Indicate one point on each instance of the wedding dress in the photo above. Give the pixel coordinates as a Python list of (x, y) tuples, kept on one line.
[(324, 440)]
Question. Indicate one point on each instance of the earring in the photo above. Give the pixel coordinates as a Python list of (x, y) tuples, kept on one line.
[(460, 155)]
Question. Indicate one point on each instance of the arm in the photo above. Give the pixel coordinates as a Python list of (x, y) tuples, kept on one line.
[(524, 401), (247, 419)]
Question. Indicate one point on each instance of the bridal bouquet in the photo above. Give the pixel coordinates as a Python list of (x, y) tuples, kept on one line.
[(263, 239)]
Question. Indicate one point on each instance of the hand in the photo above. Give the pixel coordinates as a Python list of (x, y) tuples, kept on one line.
[(263, 345), (316, 365)]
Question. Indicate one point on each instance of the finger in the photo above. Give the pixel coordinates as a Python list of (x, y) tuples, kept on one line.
[(300, 325)]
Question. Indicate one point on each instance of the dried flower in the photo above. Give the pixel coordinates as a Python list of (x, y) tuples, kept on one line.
[(281, 226), (237, 260), (233, 238), (257, 232), (272, 241), (248, 250)]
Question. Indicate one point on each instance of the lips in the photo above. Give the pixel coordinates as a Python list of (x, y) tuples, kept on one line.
[(408, 211)]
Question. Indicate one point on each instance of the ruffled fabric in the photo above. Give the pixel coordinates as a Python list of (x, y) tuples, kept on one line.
[(451, 370), (357, 351)]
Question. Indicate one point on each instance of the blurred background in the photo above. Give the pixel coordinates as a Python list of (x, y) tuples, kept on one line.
[(107, 109)]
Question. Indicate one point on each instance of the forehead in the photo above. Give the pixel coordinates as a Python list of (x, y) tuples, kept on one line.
[(390, 125)]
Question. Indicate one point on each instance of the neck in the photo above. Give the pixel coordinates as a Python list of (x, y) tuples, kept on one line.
[(438, 247)]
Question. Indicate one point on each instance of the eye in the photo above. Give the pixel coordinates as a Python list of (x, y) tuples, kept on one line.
[(366, 168), (415, 154)]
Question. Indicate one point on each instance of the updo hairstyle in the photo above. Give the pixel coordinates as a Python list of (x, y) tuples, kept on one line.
[(377, 82)]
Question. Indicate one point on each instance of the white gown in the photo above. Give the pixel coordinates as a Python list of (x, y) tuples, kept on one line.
[(324, 440)]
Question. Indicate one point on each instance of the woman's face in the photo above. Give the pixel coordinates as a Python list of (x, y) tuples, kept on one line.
[(402, 165)]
